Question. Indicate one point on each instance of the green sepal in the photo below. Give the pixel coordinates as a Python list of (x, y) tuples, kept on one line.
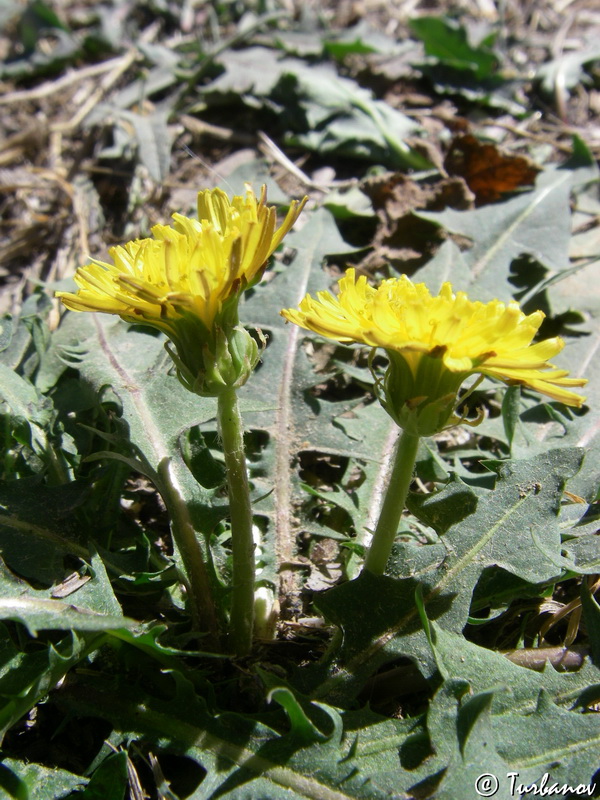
[(226, 364), (423, 403)]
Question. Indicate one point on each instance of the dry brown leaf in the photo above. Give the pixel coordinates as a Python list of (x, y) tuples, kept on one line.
[(487, 171)]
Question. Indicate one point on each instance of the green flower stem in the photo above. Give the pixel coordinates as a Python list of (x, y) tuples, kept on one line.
[(240, 512), (201, 602), (393, 504)]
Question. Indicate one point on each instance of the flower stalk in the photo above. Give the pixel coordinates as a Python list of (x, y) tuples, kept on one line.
[(393, 503), (240, 512)]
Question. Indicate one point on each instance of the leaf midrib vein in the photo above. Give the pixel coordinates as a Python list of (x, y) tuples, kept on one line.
[(540, 195), (382, 640)]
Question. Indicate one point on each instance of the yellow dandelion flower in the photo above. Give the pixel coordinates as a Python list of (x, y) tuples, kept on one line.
[(186, 280), (435, 342), (194, 266)]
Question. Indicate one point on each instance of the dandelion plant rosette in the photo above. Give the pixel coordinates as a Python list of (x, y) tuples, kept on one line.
[(433, 343)]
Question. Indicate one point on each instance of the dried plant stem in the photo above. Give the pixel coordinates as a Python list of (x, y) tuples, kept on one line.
[(393, 504), (240, 511)]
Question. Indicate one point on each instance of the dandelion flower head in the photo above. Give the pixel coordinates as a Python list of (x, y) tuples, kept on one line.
[(194, 267), (187, 280), (434, 342)]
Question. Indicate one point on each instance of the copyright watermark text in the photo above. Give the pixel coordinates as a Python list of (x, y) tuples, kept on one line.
[(488, 784)]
